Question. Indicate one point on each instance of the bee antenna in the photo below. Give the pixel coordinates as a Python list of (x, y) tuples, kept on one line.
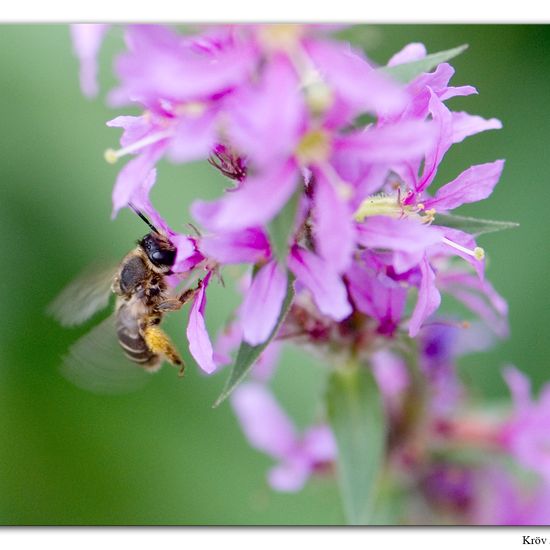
[(140, 214)]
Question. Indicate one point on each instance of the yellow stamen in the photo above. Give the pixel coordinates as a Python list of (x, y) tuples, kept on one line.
[(429, 215), (279, 37), (319, 97), (193, 109), (378, 205), (314, 148), (478, 253), (112, 155), (391, 205)]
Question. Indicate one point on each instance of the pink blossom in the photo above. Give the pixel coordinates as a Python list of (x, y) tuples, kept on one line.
[(269, 430), (87, 39), (525, 435), (200, 345)]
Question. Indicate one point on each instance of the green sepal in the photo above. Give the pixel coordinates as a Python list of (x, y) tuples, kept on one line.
[(474, 226), (247, 354), (405, 72)]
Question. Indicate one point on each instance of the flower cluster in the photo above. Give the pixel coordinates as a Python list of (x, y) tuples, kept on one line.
[(330, 165)]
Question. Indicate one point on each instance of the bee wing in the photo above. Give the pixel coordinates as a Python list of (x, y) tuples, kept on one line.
[(97, 363), (84, 296)]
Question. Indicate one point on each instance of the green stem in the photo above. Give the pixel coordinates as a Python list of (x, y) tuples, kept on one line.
[(357, 418)]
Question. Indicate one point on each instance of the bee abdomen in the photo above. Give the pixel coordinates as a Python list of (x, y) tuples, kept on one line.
[(130, 339), (134, 347)]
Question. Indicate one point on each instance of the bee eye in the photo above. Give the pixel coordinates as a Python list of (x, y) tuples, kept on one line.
[(163, 257)]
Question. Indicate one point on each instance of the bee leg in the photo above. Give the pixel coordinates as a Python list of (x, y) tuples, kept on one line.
[(159, 342), (173, 304)]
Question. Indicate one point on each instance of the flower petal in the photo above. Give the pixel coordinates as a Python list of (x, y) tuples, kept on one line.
[(519, 386), (133, 175), (247, 246), (266, 426), (319, 445), (378, 296), (443, 122), (194, 138), (480, 297), (407, 234), (255, 203), (266, 121), (262, 303), (392, 143), (159, 63), (326, 286), (351, 76), (335, 233), (289, 477), (465, 125), (391, 374), (411, 52), (197, 335), (87, 39), (428, 301), (187, 256)]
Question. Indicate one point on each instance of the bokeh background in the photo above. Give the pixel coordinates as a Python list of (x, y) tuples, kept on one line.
[(163, 455)]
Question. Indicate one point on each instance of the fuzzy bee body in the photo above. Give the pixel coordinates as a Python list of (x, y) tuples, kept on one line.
[(141, 288), (142, 299), (130, 338)]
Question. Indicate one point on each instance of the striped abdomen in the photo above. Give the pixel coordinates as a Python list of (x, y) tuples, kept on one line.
[(130, 339)]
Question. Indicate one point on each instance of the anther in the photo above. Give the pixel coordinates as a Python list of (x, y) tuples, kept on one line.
[(314, 147), (192, 109), (478, 253), (319, 97), (112, 155)]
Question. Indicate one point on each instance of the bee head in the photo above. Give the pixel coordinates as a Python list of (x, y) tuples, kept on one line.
[(160, 251)]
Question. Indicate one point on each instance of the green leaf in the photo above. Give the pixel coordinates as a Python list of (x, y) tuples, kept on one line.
[(357, 419), (408, 71), (474, 226), (247, 354), (281, 228)]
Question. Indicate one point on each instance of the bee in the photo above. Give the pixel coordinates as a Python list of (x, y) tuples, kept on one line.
[(142, 298)]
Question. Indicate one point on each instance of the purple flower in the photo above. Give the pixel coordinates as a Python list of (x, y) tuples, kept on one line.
[(163, 66), (479, 296), (442, 342), (525, 435), (150, 137), (392, 377), (474, 184), (262, 304), (200, 345), (450, 487), (325, 285), (87, 39), (247, 246), (302, 139), (376, 294), (501, 499), (269, 430)]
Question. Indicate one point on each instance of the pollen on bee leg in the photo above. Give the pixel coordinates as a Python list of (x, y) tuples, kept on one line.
[(478, 253)]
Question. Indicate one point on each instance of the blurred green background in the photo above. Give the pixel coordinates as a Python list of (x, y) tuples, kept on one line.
[(163, 455)]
